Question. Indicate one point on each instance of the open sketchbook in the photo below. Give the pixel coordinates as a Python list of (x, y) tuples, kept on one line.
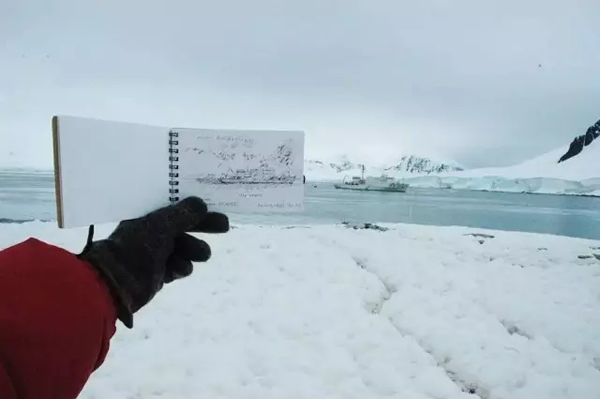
[(107, 171)]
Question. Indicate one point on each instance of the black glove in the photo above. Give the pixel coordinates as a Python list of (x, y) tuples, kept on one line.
[(143, 254)]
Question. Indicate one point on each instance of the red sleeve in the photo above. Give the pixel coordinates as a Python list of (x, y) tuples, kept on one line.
[(7, 390), (56, 322)]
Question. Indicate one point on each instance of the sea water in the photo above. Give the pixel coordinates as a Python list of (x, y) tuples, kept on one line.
[(30, 196)]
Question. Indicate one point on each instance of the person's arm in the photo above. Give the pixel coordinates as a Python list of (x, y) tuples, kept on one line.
[(58, 310), (56, 321)]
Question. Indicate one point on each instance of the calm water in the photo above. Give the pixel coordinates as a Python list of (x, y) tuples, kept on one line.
[(31, 196)]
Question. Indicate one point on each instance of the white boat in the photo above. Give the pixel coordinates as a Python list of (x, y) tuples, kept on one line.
[(359, 183)]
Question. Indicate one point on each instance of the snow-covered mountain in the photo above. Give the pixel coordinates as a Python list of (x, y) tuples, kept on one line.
[(578, 162), (328, 170), (420, 165), (567, 170)]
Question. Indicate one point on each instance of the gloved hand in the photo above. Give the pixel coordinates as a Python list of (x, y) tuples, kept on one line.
[(143, 254)]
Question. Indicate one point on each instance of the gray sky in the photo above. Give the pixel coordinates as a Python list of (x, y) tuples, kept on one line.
[(453, 79)]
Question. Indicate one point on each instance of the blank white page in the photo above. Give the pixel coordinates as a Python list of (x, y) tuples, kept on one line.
[(108, 171), (246, 171)]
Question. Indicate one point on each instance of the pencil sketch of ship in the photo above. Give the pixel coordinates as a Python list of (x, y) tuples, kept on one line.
[(269, 164), (263, 176)]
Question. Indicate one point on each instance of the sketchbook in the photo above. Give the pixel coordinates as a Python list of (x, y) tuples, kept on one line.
[(108, 171)]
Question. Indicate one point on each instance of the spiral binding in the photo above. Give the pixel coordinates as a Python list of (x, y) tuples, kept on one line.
[(173, 167)]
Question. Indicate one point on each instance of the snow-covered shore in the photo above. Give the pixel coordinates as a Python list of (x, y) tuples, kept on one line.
[(579, 175), (535, 185), (333, 312)]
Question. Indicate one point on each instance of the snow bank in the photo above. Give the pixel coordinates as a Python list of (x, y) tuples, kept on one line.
[(582, 166), (578, 175), (539, 185), (324, 312)]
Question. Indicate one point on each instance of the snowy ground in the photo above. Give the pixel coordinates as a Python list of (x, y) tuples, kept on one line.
[(332, 312)]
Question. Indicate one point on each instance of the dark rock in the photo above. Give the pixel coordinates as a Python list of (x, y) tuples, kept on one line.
[(365, 226), (582, 141), (480, 235), (513, 329), (21, 221)]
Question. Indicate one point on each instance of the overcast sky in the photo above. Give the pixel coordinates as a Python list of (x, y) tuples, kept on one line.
[(485, 83)]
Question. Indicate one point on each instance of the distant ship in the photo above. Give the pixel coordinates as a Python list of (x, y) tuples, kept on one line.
[(359, 183)]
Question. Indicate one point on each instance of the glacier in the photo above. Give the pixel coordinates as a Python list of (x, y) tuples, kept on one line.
[(579, 175)]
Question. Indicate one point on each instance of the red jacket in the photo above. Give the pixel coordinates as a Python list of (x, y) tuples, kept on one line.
[(56, 322)]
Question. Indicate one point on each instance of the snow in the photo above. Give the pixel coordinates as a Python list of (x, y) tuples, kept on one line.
[(579, 175), (317, 170), (582, 166), (345, 165), (333, 312), (538, 185), (543, 174)]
